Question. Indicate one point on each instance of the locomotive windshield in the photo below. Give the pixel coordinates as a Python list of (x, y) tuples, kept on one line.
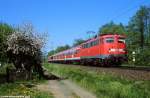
[(109, 40)]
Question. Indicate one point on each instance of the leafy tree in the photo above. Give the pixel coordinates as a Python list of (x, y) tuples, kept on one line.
[(78, 41), (139, 25), (62, 48), (24, 50), (112, 28), (65, 47), (58, 49), (5, 30), (139, 36), (51, 52)]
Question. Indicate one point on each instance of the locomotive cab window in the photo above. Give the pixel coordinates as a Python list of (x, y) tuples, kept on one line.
[(121, 40), (85, 45), (109, 40)]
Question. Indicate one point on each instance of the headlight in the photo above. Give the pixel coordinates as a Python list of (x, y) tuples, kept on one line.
[(116, 50), (112, 50), (121, 50)]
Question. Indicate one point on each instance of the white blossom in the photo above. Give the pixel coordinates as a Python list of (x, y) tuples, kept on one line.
[(24, 42)]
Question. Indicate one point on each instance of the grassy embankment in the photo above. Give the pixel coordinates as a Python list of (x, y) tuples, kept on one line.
[(104, 85), (21, 88)]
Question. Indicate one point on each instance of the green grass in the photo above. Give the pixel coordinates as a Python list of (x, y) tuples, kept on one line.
[(104, 85), (22, 89)]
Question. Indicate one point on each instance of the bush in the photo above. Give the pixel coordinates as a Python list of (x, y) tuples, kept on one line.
[(142, 56)]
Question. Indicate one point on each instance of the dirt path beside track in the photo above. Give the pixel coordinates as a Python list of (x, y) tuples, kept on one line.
[(65, 89)]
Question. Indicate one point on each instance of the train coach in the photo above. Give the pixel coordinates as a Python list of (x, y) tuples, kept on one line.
[(103, 50)]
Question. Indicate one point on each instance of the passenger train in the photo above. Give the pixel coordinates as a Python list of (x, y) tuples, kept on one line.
[(103, 50)]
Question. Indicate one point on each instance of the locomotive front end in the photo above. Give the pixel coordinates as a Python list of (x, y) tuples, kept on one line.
[(115, 49)]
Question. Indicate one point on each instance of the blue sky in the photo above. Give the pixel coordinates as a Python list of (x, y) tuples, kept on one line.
[(66, 20)]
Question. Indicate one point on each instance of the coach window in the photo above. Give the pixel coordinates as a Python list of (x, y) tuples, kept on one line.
[(92, 43), (86, 45), (83, 46), (89, 45), (109, 40), (97, 42)]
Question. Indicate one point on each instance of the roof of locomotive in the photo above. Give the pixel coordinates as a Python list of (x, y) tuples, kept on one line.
[(102, 36), (109, 35)]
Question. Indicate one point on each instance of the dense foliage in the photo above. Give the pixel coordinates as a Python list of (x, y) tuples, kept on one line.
[(138, 39), (24, 50), (5, 30), (140, 26), (112, 28)]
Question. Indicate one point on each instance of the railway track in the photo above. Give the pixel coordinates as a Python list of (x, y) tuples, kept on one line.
[(129, 72), (142, 68)]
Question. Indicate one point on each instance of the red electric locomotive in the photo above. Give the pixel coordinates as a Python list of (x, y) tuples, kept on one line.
[(104, 50)]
